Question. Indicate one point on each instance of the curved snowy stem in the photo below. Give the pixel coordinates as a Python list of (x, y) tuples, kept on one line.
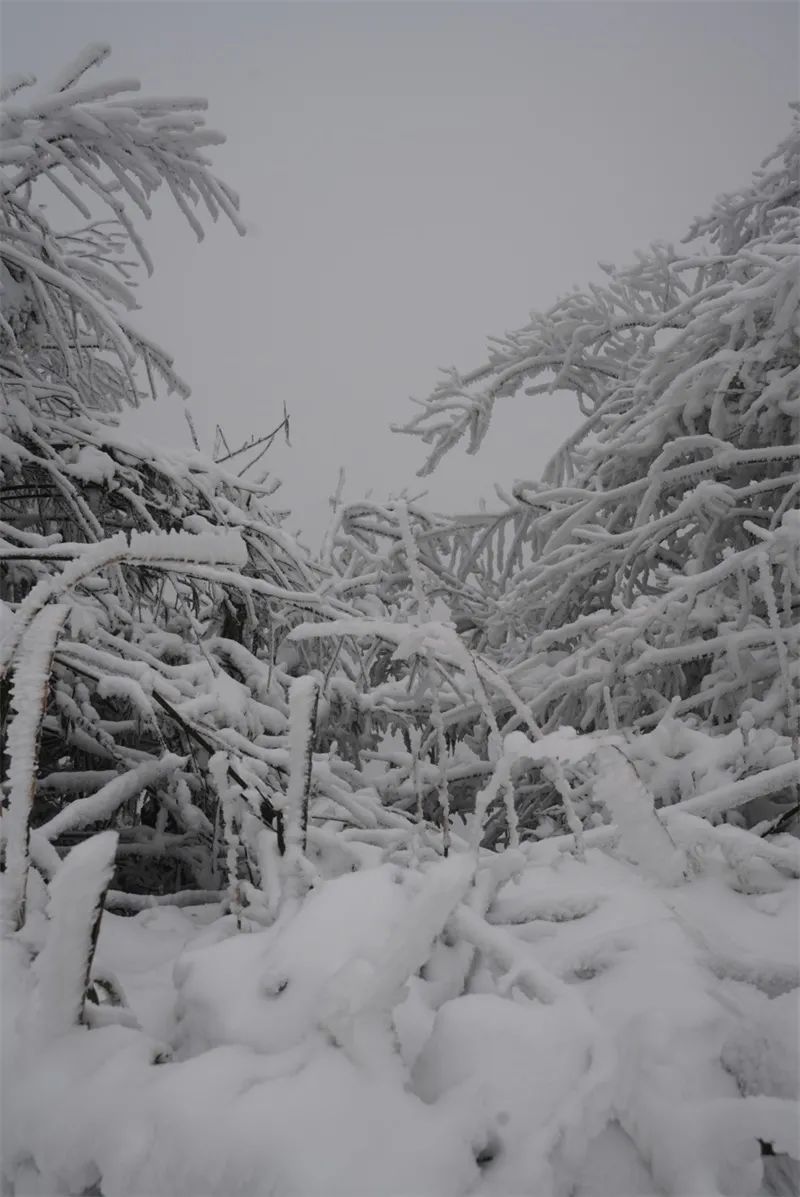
[(75, 908), (28, 700), (110, 797), (156, 549)]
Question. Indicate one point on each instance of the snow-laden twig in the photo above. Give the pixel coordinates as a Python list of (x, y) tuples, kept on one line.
[(142, 548), (303, 703), (229, 795), (75, 906), (29, 691), (108, 799)]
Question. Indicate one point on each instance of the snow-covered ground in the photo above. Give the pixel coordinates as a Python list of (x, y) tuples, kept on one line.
[(537, 1025)]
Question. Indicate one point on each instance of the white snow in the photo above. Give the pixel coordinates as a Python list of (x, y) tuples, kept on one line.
[(611, 1034), (75, 900)]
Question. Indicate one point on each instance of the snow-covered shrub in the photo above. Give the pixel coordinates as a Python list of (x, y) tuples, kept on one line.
[(657, 558), (175, 583), (654, 572)]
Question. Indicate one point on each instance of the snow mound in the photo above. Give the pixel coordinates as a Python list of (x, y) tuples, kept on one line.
[(567, 1027), (264, 990)]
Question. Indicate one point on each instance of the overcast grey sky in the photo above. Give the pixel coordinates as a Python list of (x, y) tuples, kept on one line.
[(417, 176)]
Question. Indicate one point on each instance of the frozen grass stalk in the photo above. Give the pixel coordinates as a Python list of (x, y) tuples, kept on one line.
[(443, 754), (229, 800), (303, 702)]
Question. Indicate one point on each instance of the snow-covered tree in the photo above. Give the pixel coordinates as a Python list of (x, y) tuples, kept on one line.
[(653, 570), (173, 579)]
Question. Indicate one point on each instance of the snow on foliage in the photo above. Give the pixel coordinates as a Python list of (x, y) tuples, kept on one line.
[(657, 557), (177, 582), (58, 285), (462, 859)]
